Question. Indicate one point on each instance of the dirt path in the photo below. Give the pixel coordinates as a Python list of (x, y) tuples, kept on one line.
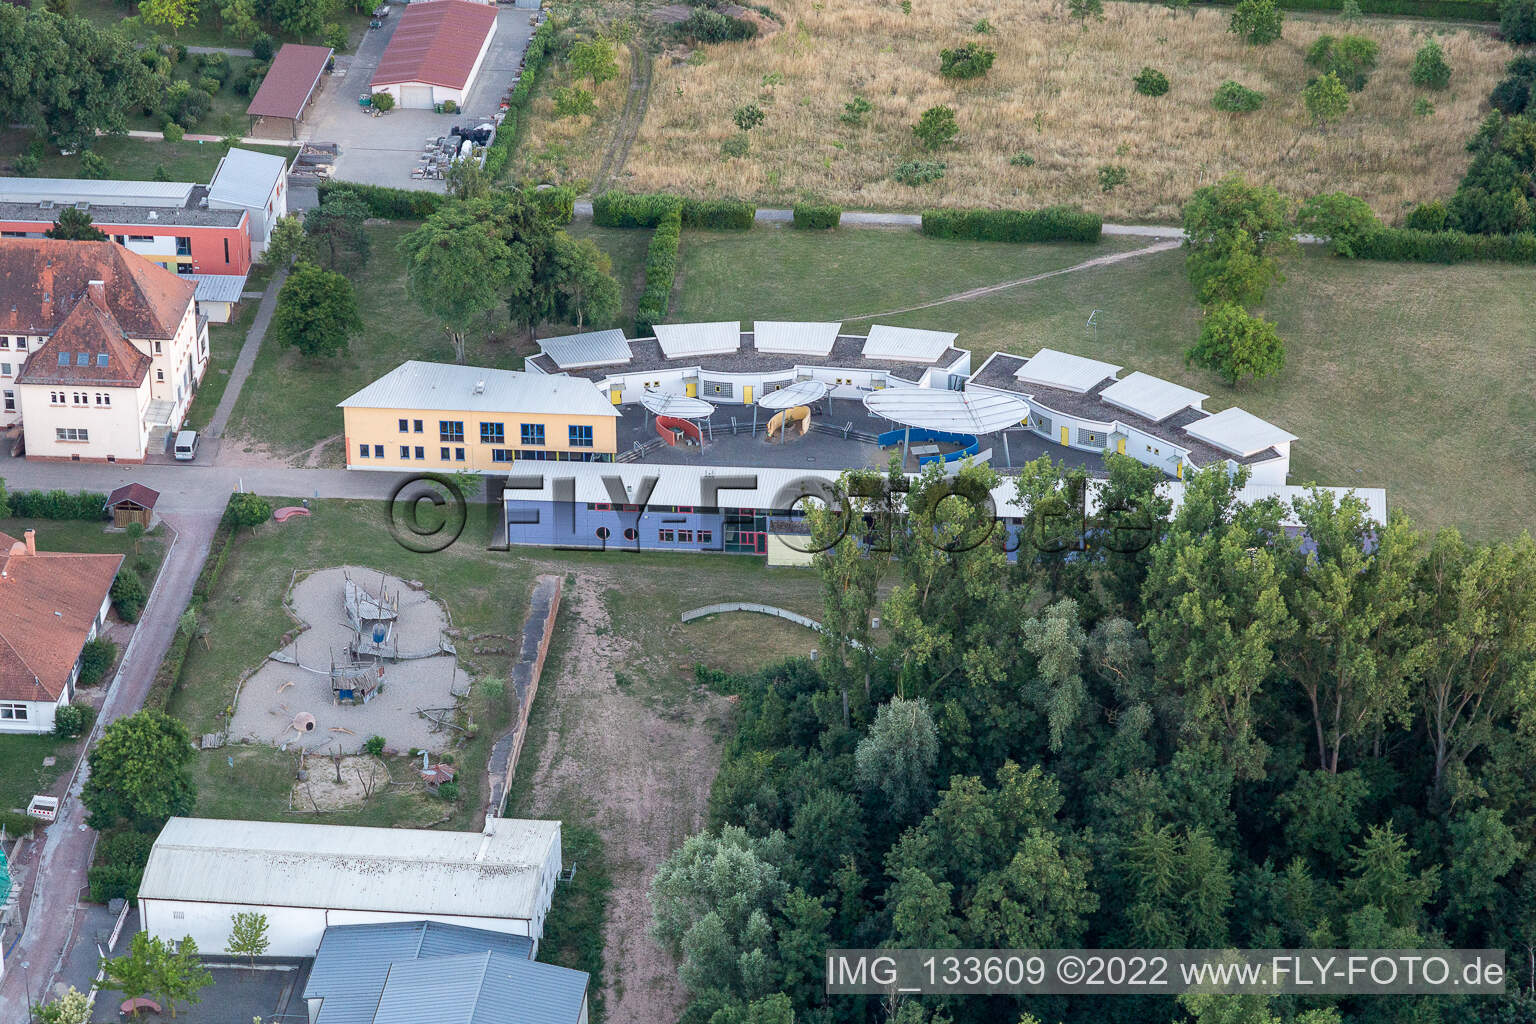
[(976, 293), (641, 65), (645, 773)]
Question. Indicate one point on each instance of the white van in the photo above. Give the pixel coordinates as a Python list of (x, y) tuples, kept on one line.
[(186, 445)]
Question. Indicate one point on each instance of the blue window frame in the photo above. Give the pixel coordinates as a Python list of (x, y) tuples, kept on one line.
[(581, 436), (493, 433), (531, 434), (450, 430), (405, 451), (501, 455), (405, 426), (363, 451), (378, 451), (458, 455), (421, 452)]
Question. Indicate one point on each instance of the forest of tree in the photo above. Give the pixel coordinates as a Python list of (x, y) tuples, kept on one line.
[(1208, 728)]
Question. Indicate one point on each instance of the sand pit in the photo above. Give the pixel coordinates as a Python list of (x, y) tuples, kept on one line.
[(360, 778), (280, 690)]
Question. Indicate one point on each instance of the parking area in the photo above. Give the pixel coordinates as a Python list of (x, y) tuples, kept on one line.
[(384, 150)]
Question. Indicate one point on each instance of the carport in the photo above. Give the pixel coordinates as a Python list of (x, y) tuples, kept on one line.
[(287, 90)]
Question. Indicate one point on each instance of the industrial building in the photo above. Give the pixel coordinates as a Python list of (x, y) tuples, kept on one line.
[(436, 53), (256, 183), (308, 878)]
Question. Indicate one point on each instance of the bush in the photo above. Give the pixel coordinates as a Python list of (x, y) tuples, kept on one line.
[(387, 203), (1151, 82), (1341, 219), (855, 110), (173, 132), (83, 506), (1430, 68), (1236, 99), (128, 595), (615, 209), (1511, 96), (117, 865), (382, 101), (919, 172), (1111, 177), (263, 46), (1351, 58), (718, 214), (374, 745), (737, 145), (660, 271), (25, 165), (1431, 216), (17, 824), (1517, 21), (1409, 245), (96, 659), (747, 116), (92, 165), (214, 65), (72, 721), (936, 128), (815, 217), (450, 107), (969, 61), (1022, 159), (1257, 22), (449, 791), (574, 101), (706, 26), (1052, 224), (245, 509), (556, 204)]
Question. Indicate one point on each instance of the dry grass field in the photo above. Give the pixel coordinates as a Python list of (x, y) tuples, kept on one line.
[(571, 148), (1060, 93)]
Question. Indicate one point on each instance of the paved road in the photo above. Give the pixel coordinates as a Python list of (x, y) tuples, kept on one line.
[(66, 854)]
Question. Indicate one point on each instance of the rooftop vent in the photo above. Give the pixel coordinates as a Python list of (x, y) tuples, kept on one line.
[(82, 206), (480, 387), (202, 204), (152, 215), (46, 204)]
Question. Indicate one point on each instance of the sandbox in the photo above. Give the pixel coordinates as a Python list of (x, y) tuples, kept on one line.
[(401, 688)]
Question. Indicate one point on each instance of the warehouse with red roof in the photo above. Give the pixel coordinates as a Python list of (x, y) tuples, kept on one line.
[(435, 53)]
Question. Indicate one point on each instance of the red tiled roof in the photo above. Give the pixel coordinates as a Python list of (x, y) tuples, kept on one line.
[(133, 494), (290, 81), (436, 43), (48, 602)]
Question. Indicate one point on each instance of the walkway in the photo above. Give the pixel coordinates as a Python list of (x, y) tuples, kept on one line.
[(247, 357), (68, 843)]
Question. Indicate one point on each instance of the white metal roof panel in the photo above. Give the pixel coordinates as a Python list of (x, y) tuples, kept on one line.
[(794, 337), (1065, 370), (908, 344), (450, 387), (347, 867), (709, 339), (246, 178), (217, 287), (965, 412), (1149, 396), (1239, 432), (66, 191), (801, 392), (663, 403), (594, 348)]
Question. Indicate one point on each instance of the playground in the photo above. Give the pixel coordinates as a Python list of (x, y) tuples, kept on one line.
[(370, 659)]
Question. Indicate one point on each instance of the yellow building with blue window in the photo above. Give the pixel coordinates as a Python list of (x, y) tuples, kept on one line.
[(450, 418)]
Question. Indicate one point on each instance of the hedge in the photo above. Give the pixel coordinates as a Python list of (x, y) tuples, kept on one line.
[(80, 505), (660, 272), (387, 203), (558, 204), (1409, 245), (1052, 224), (817, 218), (1451, 10), (534, 58), (615, 209)]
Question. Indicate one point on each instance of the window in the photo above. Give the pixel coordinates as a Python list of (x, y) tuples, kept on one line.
[(56, 398), (378, 451), (450, 430), (531, 434), (63, 358), (421, 452), (706, 536), (405, 426), (493, 433), (71, 434), (416, 426), (160, 376), (501, 455), (5, 341), (458, 455), (1087, 436), (363, 451), (685, 536), (82, 359), (666, 536), (141, 238), (81, 398), (184, 245), (103, 398), (5, 369), (159, 349), (405, 451), (718, 389), (13, 234), (442, 453), (630, 533), (101, 359), (10, 400), (13, 712), (581, 436), (226, 250), (603, 533)]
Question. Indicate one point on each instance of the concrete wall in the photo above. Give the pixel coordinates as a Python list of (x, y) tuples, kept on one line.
[(382, 427)]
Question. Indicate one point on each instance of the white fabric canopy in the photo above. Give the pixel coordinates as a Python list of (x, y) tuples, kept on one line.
[(801, 392), (683, 407), (960, 412)]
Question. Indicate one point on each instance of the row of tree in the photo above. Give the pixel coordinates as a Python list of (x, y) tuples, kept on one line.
[(1254, 725)]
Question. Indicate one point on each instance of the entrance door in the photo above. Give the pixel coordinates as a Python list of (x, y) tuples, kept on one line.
[(691, 388), (746, 394), (616, 396), (1065, 437), (1120, 446)]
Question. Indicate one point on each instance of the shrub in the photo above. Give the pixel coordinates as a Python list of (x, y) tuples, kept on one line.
[(128, 595), (1423, 107), (263, 47), (1430, 68), (209, 85), (173, 132), (117, 866), (1237, 345), (1341, 219), (84, 506), (615, 209), (384, 202), (660, 271), (535, 59), (1052, 224), (855, 110), (382, 101), (1327, 100), (93, 165), (1236, 99), (96, 660), (817, 217), (1151, 82), (246, 509), (1111, 177), (706, 26), (574, 101), (747, 116), (969, 61), (936, 128), (557, 204), (1512, 95), (919, 172), (1430, 216), (1257, 22), (1517, 21), (449, 791), (72, 721), (982, 27), (25, 165), (1351, 58), (374, 745), (1022, 159), (736, 145), (1406, 244), (214, 65), (718, 214)]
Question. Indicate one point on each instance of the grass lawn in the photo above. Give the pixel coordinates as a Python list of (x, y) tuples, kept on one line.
[(224, 341), (22, 774), (134, 159)]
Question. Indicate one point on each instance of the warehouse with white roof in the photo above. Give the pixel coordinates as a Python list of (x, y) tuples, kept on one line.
[(306, 878)]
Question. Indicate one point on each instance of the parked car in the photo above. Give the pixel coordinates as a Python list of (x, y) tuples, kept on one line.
[(185, 449)]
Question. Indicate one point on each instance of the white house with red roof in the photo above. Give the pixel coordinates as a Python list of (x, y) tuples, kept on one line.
[(435, 53)]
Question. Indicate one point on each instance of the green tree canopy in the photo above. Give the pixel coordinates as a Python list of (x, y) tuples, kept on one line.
[(316, 311), (595, 60), (140, 772), (1237, 345), (1234, 234), (75, 225)]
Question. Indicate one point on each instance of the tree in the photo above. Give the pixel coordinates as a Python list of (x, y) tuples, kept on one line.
[(1237, 345), (574, 101), (75, 225), (247, 935), (284, 241), (1517, 21), (467, 179), (247, 509), (137, 972), (381, 101), (75, 80), (1430, 68), (1350, 57), (1257, 22), (936, 128), (336, 230), (316, 311), (1234, 234), (70, 1008), (1327, 100), (587, 291), (94, 165), (181, 975), (175, 14), (239, 18), (71, 721), (748, 116), (1082, 10), (300, 17), (897, 757), (140, 772), (969, 61), (594, 59), (128, 595), (1341, 219)]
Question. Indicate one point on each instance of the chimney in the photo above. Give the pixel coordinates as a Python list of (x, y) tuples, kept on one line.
[(97, 290), (31, 539)]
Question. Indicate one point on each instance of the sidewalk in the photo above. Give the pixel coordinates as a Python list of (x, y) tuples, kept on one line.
[(247, 358)]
